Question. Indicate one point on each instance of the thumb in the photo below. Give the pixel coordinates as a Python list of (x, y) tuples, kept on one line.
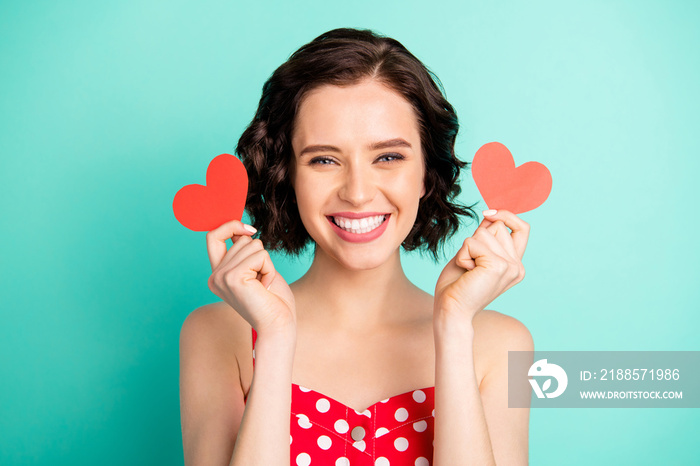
[(268, 280)]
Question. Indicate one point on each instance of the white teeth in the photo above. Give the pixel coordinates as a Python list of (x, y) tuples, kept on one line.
[(359, 225)]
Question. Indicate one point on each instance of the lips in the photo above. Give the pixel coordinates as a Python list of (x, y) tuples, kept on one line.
[(359, 228)]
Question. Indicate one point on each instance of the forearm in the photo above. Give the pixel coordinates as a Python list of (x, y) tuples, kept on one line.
[(263, 437), (461, 433)]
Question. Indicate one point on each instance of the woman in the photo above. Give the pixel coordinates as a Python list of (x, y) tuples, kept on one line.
[(352, 149)]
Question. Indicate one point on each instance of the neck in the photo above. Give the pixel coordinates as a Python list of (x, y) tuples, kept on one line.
[(354, 299)]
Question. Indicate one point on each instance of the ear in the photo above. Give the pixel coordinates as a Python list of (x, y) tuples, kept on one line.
[(422, 192)]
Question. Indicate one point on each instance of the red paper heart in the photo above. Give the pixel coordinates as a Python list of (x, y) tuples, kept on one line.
[(203, 208), (505, 186)]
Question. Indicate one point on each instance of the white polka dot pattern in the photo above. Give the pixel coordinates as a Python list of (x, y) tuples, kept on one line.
[(419, 396), (395, 431), (381, 431), (303, 459), (303, 421), (401, 414), (341, 426), (401, 444), (323, 405), (420, 426), (324, 442)]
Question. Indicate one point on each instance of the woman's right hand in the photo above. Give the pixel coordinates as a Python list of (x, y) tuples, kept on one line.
[(245, 278)]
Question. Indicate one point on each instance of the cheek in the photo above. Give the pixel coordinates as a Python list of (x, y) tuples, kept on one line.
[(409, 184), (307, 195)]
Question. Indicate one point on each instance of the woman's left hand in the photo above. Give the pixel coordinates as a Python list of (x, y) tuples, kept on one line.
[(487, 264)]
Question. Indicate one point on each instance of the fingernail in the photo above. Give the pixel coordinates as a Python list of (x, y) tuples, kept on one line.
[(249, 228), (490, 212)]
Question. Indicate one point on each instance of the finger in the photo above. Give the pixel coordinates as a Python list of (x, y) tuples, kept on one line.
[(485, 223), (242, 248), (216, 239), (463, 259), (235, 255), (487, 252), (490, 241), (475, 250), (484, 256), (260, 265), (499, 231), (520, 228), (467, 263), (478, 243), (510, 273)]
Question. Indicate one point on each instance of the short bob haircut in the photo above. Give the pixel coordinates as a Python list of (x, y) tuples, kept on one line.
[(345, 57)]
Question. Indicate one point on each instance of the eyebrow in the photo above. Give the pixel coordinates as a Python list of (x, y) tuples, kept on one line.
[(396, 142)]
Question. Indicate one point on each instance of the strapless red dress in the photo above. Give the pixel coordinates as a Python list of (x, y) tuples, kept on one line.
[(397, 431)]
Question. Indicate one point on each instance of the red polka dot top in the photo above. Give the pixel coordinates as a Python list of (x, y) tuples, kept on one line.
[(397, 431)]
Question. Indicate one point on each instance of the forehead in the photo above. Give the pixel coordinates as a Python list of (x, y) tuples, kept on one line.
[(356, 114)]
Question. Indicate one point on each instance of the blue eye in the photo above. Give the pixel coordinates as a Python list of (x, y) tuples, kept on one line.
[(321, 161), (392, 157)]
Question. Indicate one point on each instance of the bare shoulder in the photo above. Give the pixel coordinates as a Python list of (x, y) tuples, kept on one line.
[(212, 339), (494, 329), (495, 334), (215, 324), (215, 336), (215, 341)]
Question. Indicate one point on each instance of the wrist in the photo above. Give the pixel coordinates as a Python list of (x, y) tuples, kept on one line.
[(453, 326), (280, 334), (275, 350), (454, 319), (453, 349)]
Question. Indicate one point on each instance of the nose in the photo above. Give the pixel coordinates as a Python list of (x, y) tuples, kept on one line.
[(358, 185)]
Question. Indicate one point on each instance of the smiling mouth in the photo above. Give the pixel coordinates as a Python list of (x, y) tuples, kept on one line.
[(358, 226)]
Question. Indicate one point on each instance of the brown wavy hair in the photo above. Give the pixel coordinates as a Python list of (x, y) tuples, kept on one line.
[(344, 57)]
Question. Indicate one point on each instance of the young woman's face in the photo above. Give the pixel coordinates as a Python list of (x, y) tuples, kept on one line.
[(358, 171)]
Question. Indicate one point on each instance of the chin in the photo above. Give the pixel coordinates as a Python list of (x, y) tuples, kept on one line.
[(363, 261), (356, 266)]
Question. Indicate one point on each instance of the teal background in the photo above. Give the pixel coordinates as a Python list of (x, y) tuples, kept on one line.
[(108, 108)]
